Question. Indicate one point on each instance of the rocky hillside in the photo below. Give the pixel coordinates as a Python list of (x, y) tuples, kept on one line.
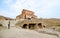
[(5, 18), (51, 22)]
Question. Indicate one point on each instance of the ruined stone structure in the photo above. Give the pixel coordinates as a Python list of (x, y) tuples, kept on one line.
[(31, 24), (27, 20), (26, 14), (27, 23)]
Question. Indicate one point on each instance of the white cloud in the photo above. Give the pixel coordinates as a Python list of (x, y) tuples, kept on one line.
[(40, 7)]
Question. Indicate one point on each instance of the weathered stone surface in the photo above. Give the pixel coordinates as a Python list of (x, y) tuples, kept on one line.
[(31, 24), (26, 14)]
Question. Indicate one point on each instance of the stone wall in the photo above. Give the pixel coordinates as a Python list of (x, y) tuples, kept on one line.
[(4, 23), (7, 23)]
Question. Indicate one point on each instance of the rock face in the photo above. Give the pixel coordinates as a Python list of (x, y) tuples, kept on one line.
[(4, 21), (26, 14), (31, 24), (2, 18)]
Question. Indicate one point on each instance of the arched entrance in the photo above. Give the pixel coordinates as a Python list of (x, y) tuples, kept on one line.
[(32, 26), (40, 25), (25, 26), (1, 25), (29, 26)]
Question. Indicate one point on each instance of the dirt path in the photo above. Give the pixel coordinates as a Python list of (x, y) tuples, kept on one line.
[(23, 33), (50, 32)]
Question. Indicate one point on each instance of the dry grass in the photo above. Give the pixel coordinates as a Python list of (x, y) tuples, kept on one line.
[(52, 22)]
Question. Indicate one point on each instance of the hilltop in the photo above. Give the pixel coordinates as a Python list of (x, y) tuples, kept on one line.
[(5, 18)]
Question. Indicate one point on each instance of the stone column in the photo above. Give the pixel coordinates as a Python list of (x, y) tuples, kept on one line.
[(36, 27), (27, 26)]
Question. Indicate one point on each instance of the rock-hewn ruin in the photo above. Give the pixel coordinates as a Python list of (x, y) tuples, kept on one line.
[(31, 24), (26, 14), (30, 20)]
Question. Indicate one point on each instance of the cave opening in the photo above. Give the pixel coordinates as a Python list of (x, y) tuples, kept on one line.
[(40, 25), (32, 26), (1, 25), (25, 26)]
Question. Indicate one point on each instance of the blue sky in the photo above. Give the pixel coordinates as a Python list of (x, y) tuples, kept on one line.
[(42, 8)]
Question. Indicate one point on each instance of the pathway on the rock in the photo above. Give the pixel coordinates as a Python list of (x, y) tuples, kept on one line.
[(23, 33)]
